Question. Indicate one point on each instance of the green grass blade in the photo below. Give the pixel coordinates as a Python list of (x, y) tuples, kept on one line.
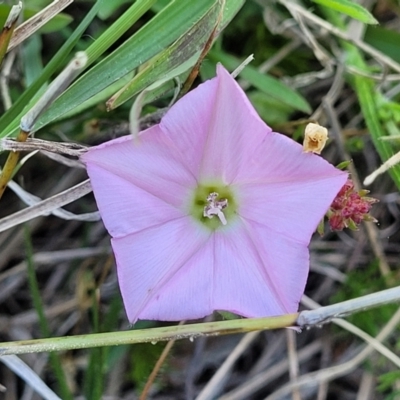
[(14, 113), (365, 90), (385, 40), (159, 33), (349, 8), (368, 99), (37, 302), (269, 85), (117, 29), (171, 58)]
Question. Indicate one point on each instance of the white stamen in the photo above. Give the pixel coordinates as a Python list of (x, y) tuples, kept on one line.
[(215, 207), (222, 218)]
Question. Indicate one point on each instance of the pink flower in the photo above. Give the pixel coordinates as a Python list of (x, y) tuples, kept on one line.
[(211, 210)]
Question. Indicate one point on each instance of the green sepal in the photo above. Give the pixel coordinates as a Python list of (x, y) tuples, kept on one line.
[(321, 227), (344, 164), (351, 225)]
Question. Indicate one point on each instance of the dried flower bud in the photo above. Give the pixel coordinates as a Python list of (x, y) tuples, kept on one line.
[(350, 208), (315, 137)]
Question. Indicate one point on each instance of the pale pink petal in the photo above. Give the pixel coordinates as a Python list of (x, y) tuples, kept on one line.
[(149, 259), (188, 293), (124, 207), (215, 128), (257, 273), (234, 133), (280, 159), (292, 208), (187, 122), (150, 162), (227, 271)]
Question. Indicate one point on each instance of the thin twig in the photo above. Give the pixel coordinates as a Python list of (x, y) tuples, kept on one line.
[(30, 200), (46, 206), (32, 144), (29, 376), (338, 310), (253, 384), (339, 370), (293, 362), (215, 384), (376, 54), (5, 75), (33, 24), (157, 367)]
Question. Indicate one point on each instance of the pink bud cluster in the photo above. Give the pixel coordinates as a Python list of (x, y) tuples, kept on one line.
[(350, 208)]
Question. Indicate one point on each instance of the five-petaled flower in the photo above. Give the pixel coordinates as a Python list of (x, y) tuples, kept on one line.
[(210, 209)]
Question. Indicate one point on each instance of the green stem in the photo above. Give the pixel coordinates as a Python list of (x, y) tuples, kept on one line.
[(148, 335)]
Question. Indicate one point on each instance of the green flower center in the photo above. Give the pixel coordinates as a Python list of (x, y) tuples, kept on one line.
[(213, 205)]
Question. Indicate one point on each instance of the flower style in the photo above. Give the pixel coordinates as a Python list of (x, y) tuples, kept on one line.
[(210, 209)]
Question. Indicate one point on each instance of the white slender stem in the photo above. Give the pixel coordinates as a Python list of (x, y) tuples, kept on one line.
[(326, 314), (46, 206)]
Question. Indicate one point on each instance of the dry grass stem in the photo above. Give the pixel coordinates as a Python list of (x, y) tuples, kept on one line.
[(46, 206), (312, 379), (376, 54), (29, 27), (216, 383)]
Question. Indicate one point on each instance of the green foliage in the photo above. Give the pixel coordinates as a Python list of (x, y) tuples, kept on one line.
[(143, 357), (172, 58), (354, 145), (385, 40), (360, 282), (109, 7), (350, 8), (43, 323), (277, 90), (270, 110), (369, 98), (387, 382), (55, 24), (10, 120), (177, 18), (32, 62), (343, 165)]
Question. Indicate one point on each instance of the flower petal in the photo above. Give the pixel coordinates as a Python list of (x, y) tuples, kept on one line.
[(188, 293), (216, 128), (149, 260), (257, 273), (290, 195), (234, 133), (280, 159), (124, 207), (187, 121), (150, 163), (290, 209)]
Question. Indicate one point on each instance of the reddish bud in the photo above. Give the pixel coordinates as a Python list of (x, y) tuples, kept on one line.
[(350, 208)]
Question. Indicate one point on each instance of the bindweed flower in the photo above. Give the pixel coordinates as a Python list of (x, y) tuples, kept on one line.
[(210, 209), (350, 208)]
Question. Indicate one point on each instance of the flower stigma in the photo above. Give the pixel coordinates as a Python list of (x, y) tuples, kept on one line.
[(215, 207), (213, 200)]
